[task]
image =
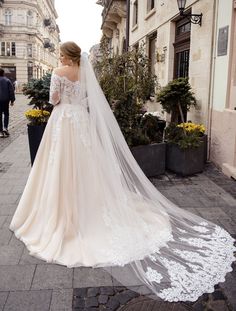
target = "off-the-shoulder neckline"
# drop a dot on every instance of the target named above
(77, 81)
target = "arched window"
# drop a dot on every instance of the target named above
(29, 18)
(8, 17)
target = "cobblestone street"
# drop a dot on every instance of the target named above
(29, 284)
(17, 122)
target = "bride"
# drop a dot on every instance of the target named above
(87, 202)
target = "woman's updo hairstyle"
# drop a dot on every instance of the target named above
(72, 51)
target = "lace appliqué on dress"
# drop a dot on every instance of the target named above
(199, 271)
(71, 109)
(55, 89)
(153, 275)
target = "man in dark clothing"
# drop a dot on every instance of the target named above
(7, 96)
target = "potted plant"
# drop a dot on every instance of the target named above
(186, 142)
(185, 148)
(38, 91)
(37, 122)
(127, 83)
(151, 153)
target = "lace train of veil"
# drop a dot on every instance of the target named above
(183, 255)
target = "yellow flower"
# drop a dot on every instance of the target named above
(192, 127)
(37, 116)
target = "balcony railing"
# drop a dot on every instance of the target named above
(47, 44)
(47, 22)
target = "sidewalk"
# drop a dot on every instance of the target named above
(29, 284)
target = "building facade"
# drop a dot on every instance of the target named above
(114, 23)
(205, 53)
(29, 38)
(95, 54)
(222, 106)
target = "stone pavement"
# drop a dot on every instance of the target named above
(29, 284)
(17, 122)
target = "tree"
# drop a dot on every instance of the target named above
(176, 98)
(127, 83)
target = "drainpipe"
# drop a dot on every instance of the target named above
(212, 73)
(127, 24)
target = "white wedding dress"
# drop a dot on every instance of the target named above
(87, 203)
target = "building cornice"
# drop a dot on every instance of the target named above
(35, 5)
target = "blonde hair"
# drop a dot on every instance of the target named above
(72, 51)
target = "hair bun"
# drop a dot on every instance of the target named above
(72, 50)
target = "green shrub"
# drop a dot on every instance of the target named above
(38, 92)
(176, 98)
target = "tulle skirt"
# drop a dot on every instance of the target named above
(63, 214)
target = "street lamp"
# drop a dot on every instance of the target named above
(194, 18)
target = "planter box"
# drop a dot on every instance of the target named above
(151, 158)
(205, 139)
(185, 161)
(35, 133)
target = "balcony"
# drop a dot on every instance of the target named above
(47, 22)
(46, 43)
(113, 12)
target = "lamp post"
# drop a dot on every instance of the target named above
(194, 18)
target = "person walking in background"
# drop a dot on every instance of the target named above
(7, 95)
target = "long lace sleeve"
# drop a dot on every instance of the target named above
(55, 90)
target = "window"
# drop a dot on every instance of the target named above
(30, 71)
(8, 15)
(124, 46)
(136, 47)
(183, 28)
(182, 48)
(3, 48)
(8, 48)
(182, 64)
(152, 51)
(13, 49)
(150, 5)
(29, 50)
(29, 18)
(135, 13)
(182, 52)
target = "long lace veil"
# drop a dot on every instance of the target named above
(184, 255)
